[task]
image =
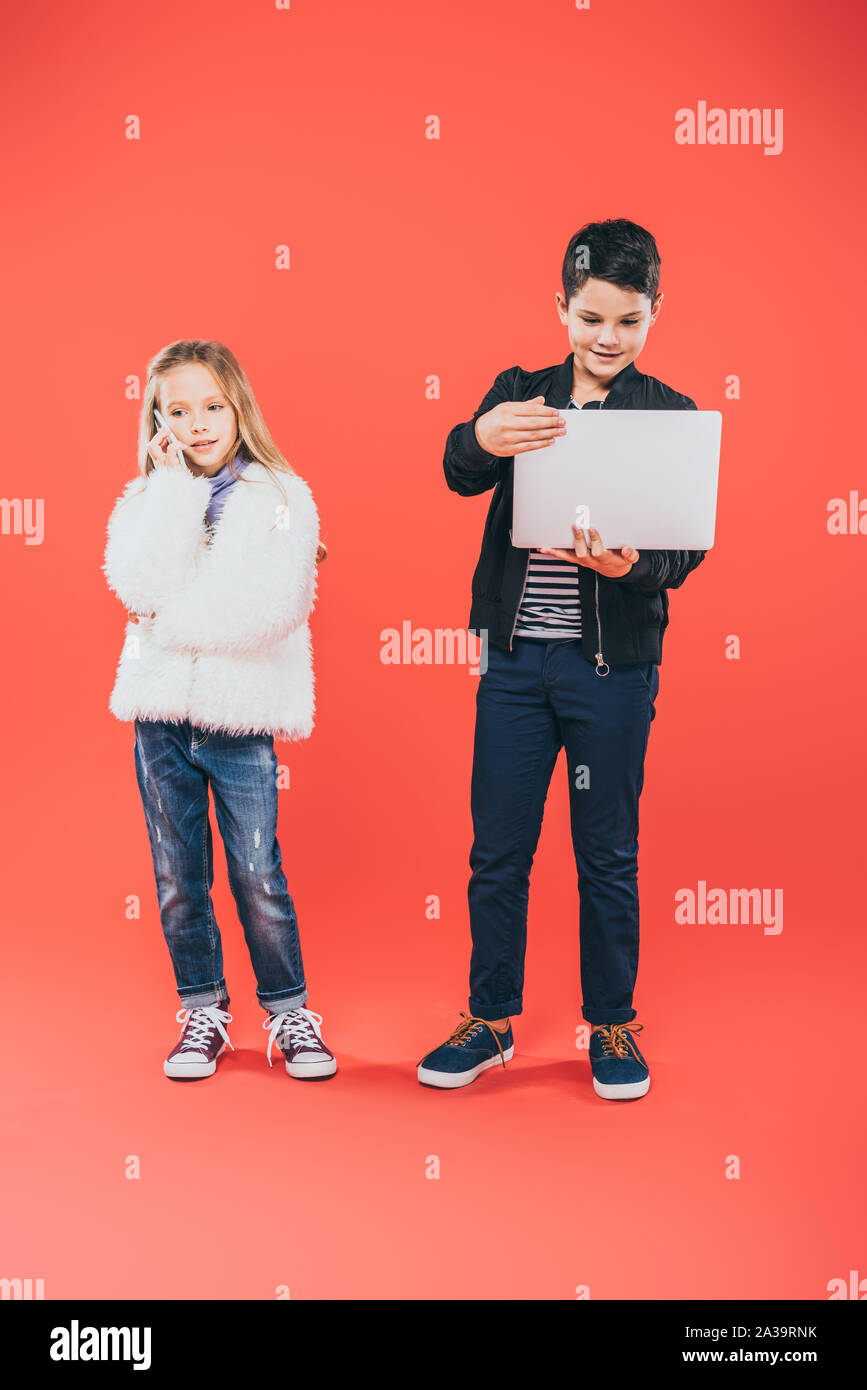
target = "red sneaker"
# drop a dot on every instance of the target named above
(203, 1039)
(297, 1034)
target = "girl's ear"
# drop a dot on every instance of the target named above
(321, 553)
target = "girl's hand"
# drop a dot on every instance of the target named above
(134, 615)
(164, 452)
(610, 563)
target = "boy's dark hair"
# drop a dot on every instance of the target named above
(616, 250)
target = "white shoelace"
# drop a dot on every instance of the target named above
(204, 1020)
(299, 1025)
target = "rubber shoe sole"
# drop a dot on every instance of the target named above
(631, 1091)
(312, 1071)
(191, 1071)
(449, 1081)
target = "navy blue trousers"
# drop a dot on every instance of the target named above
(530, 703)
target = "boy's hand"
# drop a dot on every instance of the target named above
(515, 427)
(610, 563)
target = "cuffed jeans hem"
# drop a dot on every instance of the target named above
(608, 1015)
(279, 1003)
(491, 1012)
(203, 996)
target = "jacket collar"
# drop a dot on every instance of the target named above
(622, 385)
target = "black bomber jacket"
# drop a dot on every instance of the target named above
(622, 620)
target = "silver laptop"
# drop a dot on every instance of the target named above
(645, 478)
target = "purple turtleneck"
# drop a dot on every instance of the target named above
(222, 483)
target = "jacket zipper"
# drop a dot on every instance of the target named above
(209, 534)
(520, 600)
(600, 659)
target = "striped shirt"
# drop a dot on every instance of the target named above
(550, 609)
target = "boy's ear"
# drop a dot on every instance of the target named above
(655, 306)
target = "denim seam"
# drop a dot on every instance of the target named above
(191, 991)
(212, 926)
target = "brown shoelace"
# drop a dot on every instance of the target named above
(466, 1030)
(614, 1040)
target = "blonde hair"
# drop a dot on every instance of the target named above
(253, 433)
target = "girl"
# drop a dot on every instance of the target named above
(214, 553)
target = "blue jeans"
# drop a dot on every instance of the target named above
(530, 702)
(175, 763)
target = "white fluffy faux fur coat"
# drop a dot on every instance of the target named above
(229, 648)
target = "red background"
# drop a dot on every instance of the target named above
(412, 257)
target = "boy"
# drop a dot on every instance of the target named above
(574, 644)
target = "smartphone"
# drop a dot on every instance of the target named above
(164, 425)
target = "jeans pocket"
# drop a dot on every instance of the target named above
(494, 658)
(645, 670)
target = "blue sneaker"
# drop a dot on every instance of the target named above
(619, 1070)
(469, 1050)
